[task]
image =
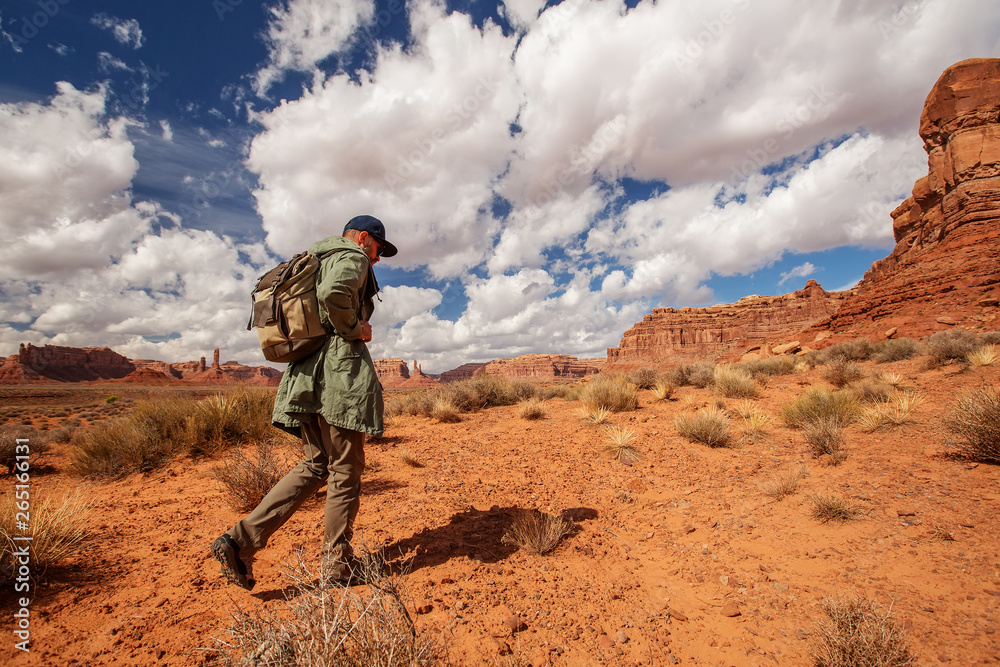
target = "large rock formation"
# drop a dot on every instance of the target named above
(391, 372)
(419, 380)
(63, 364)
(946, 263)
(677, 333)
(463, 372)
(544, 367)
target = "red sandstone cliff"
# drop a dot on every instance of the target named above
(946, 263)
(391, 372)
(544, 367)
(692, 332)
(463, 372)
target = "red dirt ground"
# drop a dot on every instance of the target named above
(686, 529)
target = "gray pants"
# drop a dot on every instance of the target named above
(333, 455)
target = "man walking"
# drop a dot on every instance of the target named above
(331, 398)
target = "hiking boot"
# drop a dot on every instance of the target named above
(227, 552)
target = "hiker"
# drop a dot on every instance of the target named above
(331, 399)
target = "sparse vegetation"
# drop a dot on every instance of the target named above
(825, 437)
(247, 477)
(9, 435)
(871, 390)
(858, 349)
(643, 378)
(323, 625)
(611, 391)
(780, 365)
(663, 390)
(531, 409)
(946, 347)
(732, 381)
(894, 380)
(888, 414)
(859, 632)
(986, 355)
(755, 425)
(536, 532)
(594, 414)
(709, 426)
(815, 404)
(975, 417)
(698, 374)
(445, 411)
(785, 482)
(833, 508)
(410, 459)
(841, 372)
(894, 349)
(58, 529)
(619, 444)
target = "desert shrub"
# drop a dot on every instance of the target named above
(871, 390)
(833, 508)
(975, 417)
(889, 414)
(111, 399)
(619, 444)
(859, 632)
(247, 477)
(9, 435)
(319, 624)
(841, 372)
(410, 459)
(708, 426)
(594, 414)
(663, 390)
(536, 532)
(755, 423)
(894, 380)
(62, 434)
(946, 347)
(409, 403)
(531, 409)
(771, 366)
(445, 411)
(894, 349)
(826, 438)
(153, 432)
(986, 355)
(643, 378)
(485, 391)
(611, 391)
(815, 404)
(697, 374)
(990, 338)
(58, 529)
(858, 349)
(734, 382)
(784, 482)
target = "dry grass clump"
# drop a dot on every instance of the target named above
(859, 633)
(57, 526)
(410, 459)
(37, 443)
(894, 380)
(487, 391)
(709, 426)
(946, 347)
(825, 437)
(536, 532)
(975, 416)
(697, 374)
(531, 409)
(643, 378)
(619, 444)
(153, 432)
(732, 381)
(841, 372)
(858, 349)
(611, 391)
(771, 366)
(833, 508)
(894, 349)
(986, 355)
(815, 404)
(871, 390)
(594, 414)
(889, 414)
(248, 477)
(445, 411)
(663, 390)
(321, 625)
(784, 482)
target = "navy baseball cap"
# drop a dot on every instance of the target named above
(374, 226)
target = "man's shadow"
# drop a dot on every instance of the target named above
(475, 534)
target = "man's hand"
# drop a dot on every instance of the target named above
(366, 332)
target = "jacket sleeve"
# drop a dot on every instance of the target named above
(339, 290)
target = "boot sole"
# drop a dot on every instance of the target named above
(224, 553)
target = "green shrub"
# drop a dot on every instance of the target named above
(816, 404)
(975, 416)
(895, 349)
(612, 392)
(111, 399)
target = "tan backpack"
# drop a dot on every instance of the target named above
(286, 311)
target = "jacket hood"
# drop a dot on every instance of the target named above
(335, 243)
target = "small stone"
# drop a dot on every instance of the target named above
(689, 528)
(447, 580)
(730, 609)
(605, 642)
(724, 579)
(944, 319)
(905, 512)
(890, 333)
(515, 623)
(786, 348)
(780, 586)
(674, 614)
(622, 637)
(424, 608)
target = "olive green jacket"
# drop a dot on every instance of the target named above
(338, 381)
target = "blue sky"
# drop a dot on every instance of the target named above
(549, 171)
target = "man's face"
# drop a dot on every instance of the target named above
(371, 247)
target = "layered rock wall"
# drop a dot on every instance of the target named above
(671, 333)
(544, 367)
(391, 372)
(65, 364)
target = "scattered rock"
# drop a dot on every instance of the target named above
(730, 609)
(905, 512)
(424, 608)
(786, 348)
(515, 624)
(622, 637)
(605, 642)
(890, 333)
(944, 319)
(676, 615)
